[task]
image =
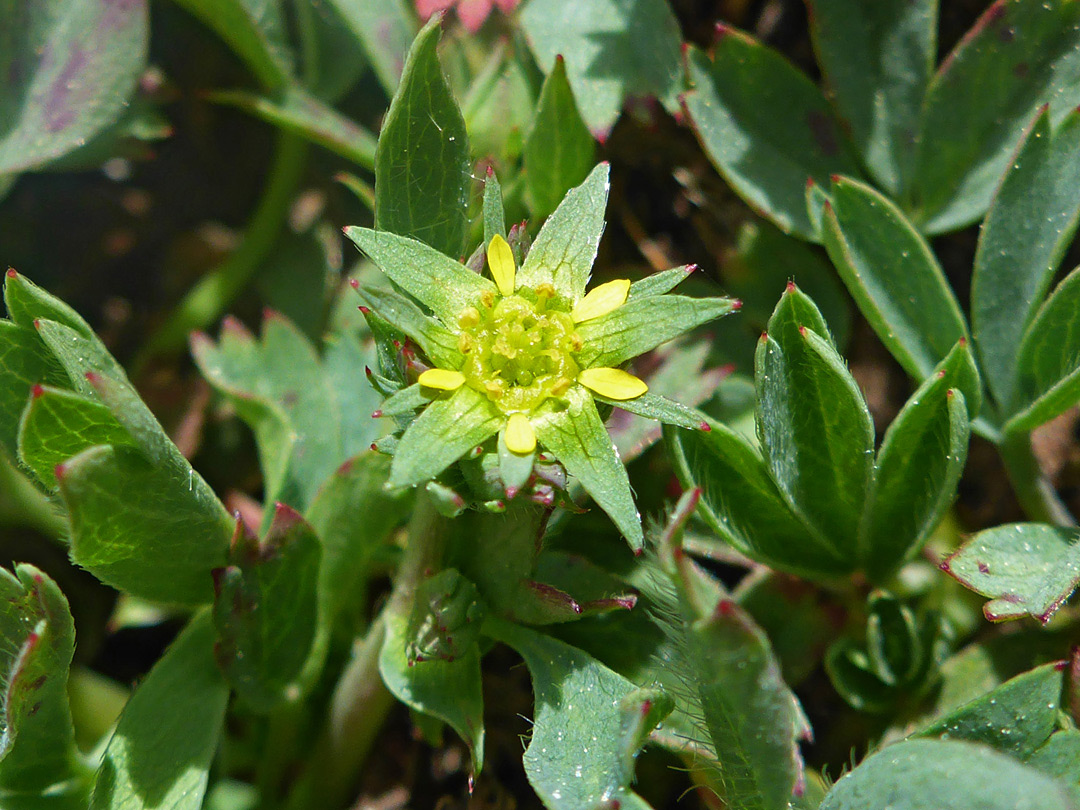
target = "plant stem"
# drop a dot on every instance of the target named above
(1035, 493)
(23, 504)
(360, 701)
(217, 289)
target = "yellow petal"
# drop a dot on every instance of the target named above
(519, 436)
(601, 300)
(443, 379)
(501, 261)
(613, 383)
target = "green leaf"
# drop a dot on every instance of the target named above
(494, 213)
(23, 364)
(579, 440)
(662, 409)
(294, 109)
(765, 126)
(37, 748)
(1017, 57)
(422, 161)
(916, 473)
(58, 424)
(160, 754)
(613, 49)
(80, 356)
(447, 429)
(343, 357)
(753, 718)
(877, 59)
(659, 283)
(815, 430)
(1016, 718)
(1026, 569)
(588, 723)
(443, 285)
(266, 610)
(1030, 224)
(559, 150)
(892, 274)
(643, 324)
(1048, 367)
(945, 775)
(69, 69)
(448, 690)
(27, 302)
(565, 249)
(1060, 758)
(255, 30)
(161, 546)
(384, 28)
(742, 504)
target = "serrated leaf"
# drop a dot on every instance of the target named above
(294, 109)
(24, 362)
(579, 440)
(877, 59)
(447, 429)
(266, 610)
(586, 724)
(27, 302)
(384, 28)
(343, 357)
(37, 748)
(448, 690)
(613, 49)
(765, 126)
(816, 434)
(559, 149)
(422, 160)
(160, 754)
(438, 282)
(69, 70)
(1017, 57)
(1030, 224)
(255, 30)
(1060, 757)
(643, 324)
(1026, 569)
(1016, 718)
(916, 473)
(58, 424)
(1047, 369)
(918, 774)
(565, 249)
(162, 546)
(893, 275)
(742, 504)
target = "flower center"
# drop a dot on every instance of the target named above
(518, 352)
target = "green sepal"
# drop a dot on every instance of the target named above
(170, 729)
(37, 748)
(816, 433)
(1027, 230)
(438, 282)
(565, 248)
(427, 198)
(448, 428)
(405, 402)
(437, 342)
(514, 468)
(494, 214)
(266, 610)
(578, 439)
(559, 150)
(1048, 372)
(643, 324)
(659, 283)
(1026, 569)
(58, 424)
(893, 275)
(162, 546)
(662, 409)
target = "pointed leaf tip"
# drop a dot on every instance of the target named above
(12, 272)
(37, 391)
(354, 283)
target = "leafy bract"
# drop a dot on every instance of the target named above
(160, 754)
(765, 126)
(1026, 569)
(1030, 224)
(422, 159)
(69, 68)
(613, 49)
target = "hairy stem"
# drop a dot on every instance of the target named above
(1035, 493)
(360, 701)
(23, 504)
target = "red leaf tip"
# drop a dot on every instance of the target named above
(725, 607)
(736, 304)
(962, 341)
(834, 178)
(810, 182)
(705, 427)
(490, 171)
(376, 413)
(511, 493)
(60, 470)
(365, 310)
(354, 283)
(12, 272)
(722, 29)
(790, 288)
(36, 391)
(802, 331)
(92, 377)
